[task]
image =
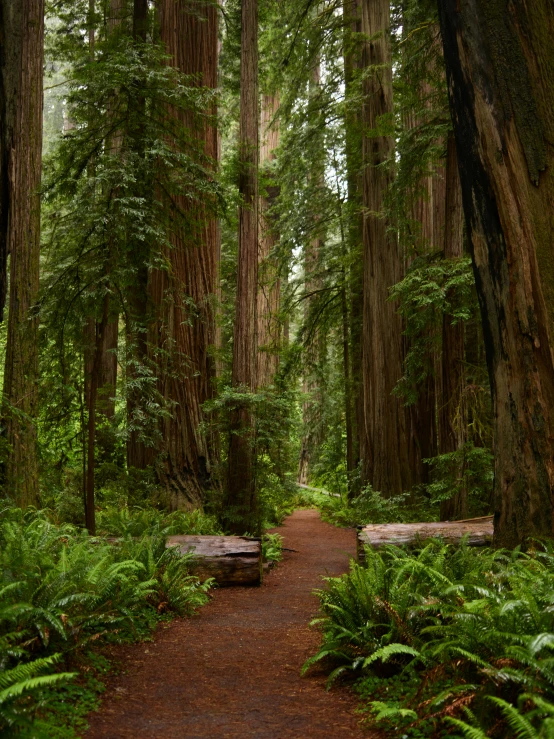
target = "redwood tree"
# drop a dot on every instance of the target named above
(241, 483)
(384, 438)
(452, 415)
(21, 56)
(500, 66)
(269, 292)
(182, 294)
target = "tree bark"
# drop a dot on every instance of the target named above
(354, 277)
(429, 212)
(452, 414)
(21, 55)
(182, 296)
(242, 501)
(230, 560)
(500, 64)
(479, 532)
(384, 437)
(315, 349)
(269, 291)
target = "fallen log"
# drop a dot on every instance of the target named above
(230, 560)
(478, 530)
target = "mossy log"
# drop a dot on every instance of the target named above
(230, 560)
(478, 530)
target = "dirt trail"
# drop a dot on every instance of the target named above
(234, 670)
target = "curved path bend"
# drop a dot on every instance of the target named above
(234, 669)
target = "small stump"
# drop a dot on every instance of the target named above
(230, 560)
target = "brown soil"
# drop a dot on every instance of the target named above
(234, 669)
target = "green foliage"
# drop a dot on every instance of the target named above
(447, 633)
(275, 442)
(367, 507)
(21, 690)
(433, 289)
(62, 590)
(137, 522)
(272, 547)
(111, 184)
(469, 468)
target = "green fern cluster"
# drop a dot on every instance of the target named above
(448, 639)
(117, 521)
(61, 590)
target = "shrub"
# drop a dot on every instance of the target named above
(447, 635)
(62, 590)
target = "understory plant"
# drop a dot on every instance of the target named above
(447, 641)
(62, 591)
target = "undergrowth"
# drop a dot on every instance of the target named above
(272, 547)
(62, 592)
(369, 506)
(137, 521)
(447, 641)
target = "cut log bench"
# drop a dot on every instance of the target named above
(478, 530)
(230, 560)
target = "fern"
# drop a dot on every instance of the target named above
(461, 625)
(61, 590)
(25, 681)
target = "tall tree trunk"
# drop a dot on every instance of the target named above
(182, 331)
(139, 455)
(21, 55)
(269, 291)
(354, 279)
(100, 337)
(428, 213)
(385, 439)
(242, 501)
(500, 63)
(452, 415)
(107, 370)
(315, 349)
(312, 382)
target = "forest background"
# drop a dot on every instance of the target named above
(140, 293)
(240, 249)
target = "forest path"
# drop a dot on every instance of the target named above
(234, 669)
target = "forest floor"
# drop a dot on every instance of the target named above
(233, 670)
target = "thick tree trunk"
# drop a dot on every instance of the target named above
(182, 333)
(241, 483)
(500, 63)
(21, 55)
(452, 414)
(269, 291)
(428, 211)
(385, 439)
